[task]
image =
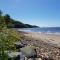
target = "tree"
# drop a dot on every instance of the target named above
(0, 12)
(7, 19)
(1, 20)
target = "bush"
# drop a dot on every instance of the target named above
(7, 39)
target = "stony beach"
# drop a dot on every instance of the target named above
(47, 45)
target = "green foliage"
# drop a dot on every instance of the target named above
(11, 23)
(9, 36)
(7, 39)
(7, 19)
(0, 12)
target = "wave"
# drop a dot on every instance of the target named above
(50, 30)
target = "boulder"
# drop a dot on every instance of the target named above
(13, 55)
(29, 51)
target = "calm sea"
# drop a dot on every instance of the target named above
(48, 30)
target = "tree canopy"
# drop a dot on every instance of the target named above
(11, 23)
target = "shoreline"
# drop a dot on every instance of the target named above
(46, 45)
(48, 38)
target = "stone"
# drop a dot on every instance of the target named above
(29, 51)
(19, 45)
(38, 59)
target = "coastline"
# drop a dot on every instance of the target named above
(47, 45)
(48, 38)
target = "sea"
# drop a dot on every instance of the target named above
(47, 30)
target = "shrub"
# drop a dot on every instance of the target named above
(7, 39)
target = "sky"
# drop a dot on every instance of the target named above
(43, 13)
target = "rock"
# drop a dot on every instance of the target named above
(39, 59)
(12, 55)
(19, 45)
(29, 51)
(45, 58)
(22, 56)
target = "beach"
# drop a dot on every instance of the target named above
(48, 38)
(47, 45)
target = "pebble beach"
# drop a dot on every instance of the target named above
(47, 45)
